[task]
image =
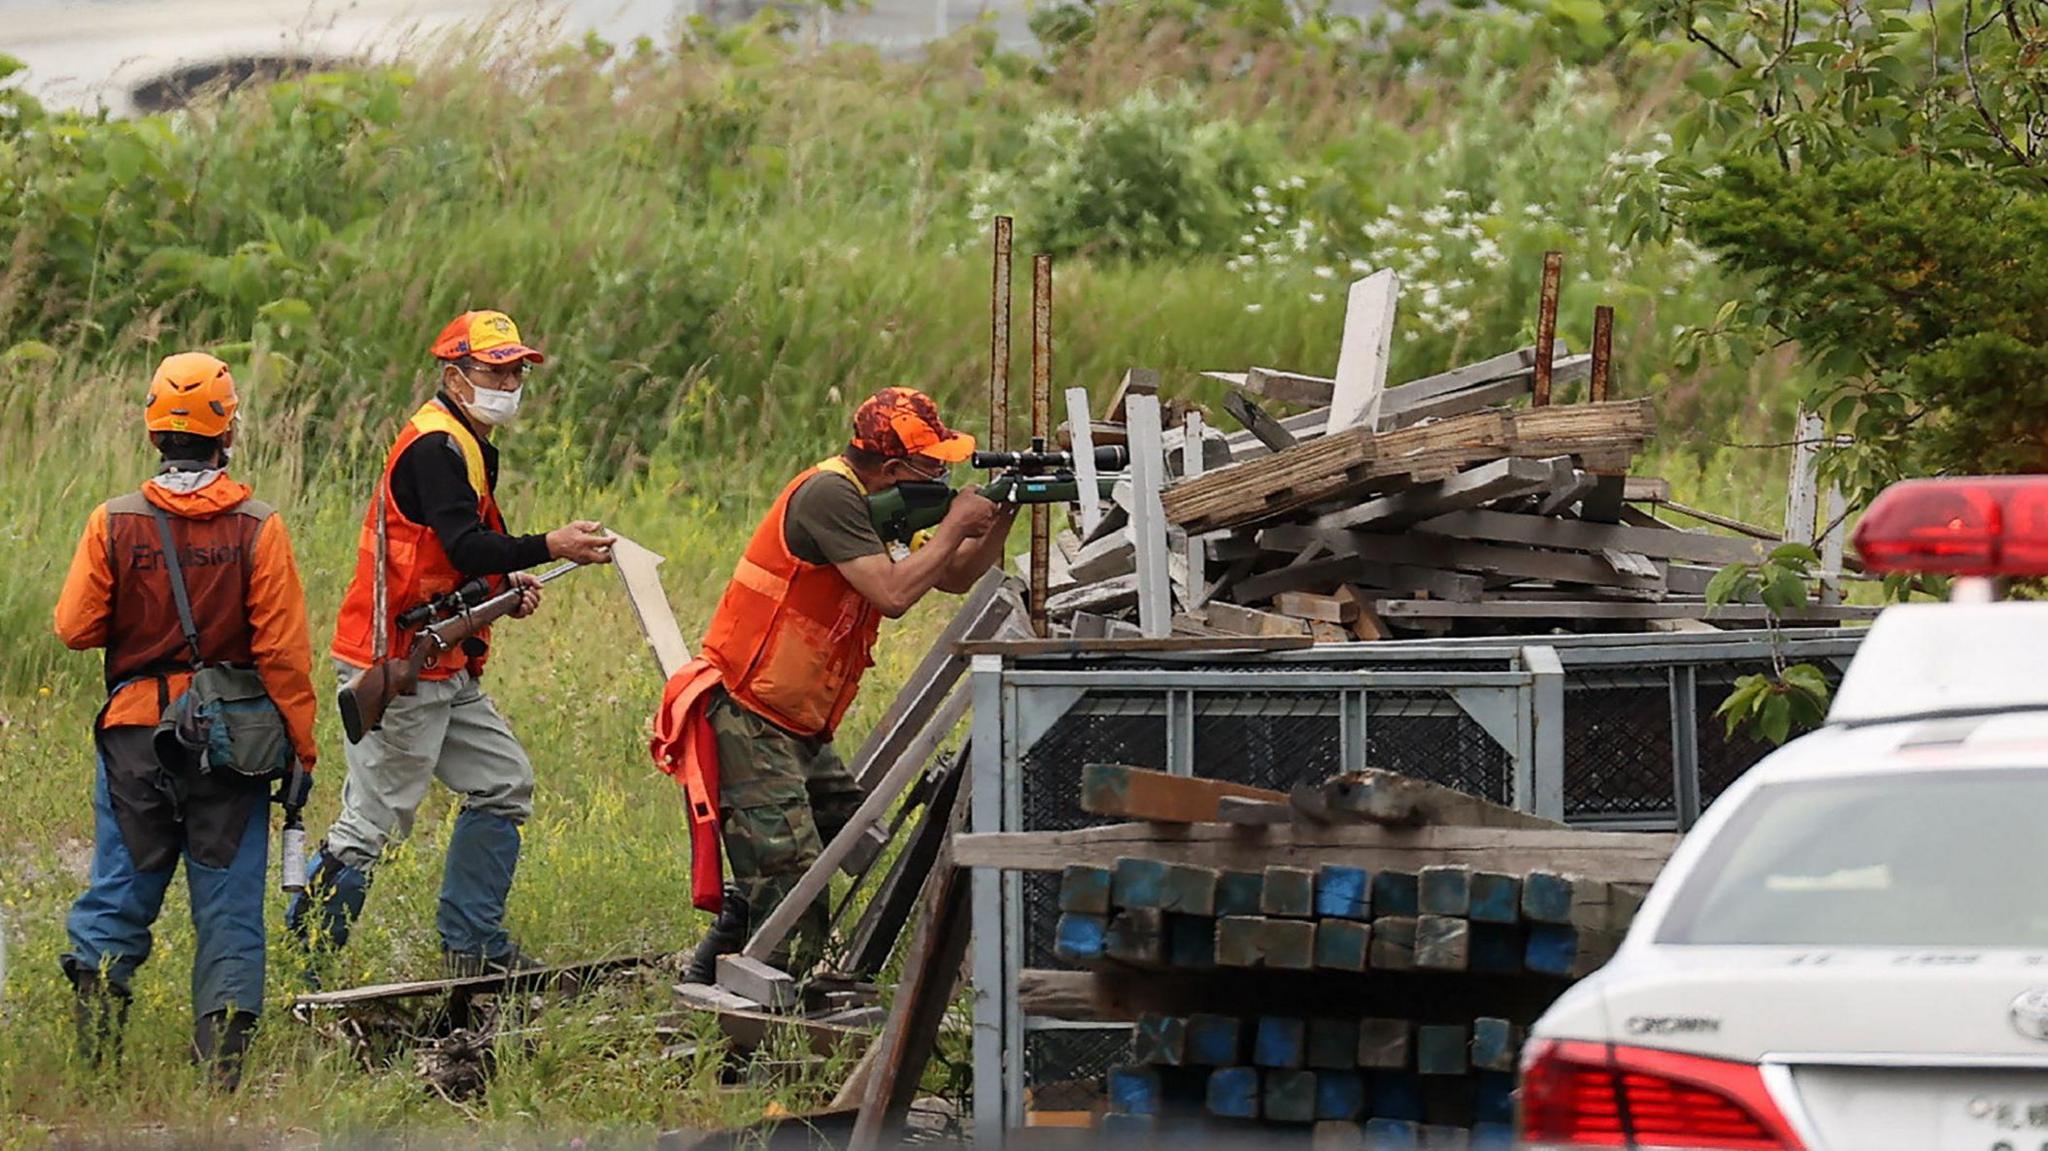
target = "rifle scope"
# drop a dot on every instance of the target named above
(441, 606)
(1109, 458)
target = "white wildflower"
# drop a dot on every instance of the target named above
(1259, 190)
(1361, 267)
(1316, 297)
(1325, 272)
(1255, 309)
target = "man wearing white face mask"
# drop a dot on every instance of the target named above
(437, 513)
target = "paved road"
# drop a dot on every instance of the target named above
(82, 52)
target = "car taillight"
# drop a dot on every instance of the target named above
(1577, 1094)
(1969, 526)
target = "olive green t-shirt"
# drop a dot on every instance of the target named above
(828, 522)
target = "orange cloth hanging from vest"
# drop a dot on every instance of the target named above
(686, 748)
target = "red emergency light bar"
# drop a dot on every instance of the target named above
(1965, 526)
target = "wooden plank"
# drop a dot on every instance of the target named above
(1196, 556)
(1240, 941)
(753, 979)
(1393, 943)
(1136, 881)
(1252, 812)
(1721, 521)
(1395, 800)
(1135, 382)
(888, 910)
(818, 878)
(1646, 489)
(1802, 487)
(1080, 938)
(569, 975)
(1458, 403)
(1519, 362)
(1499, 479)
(1265, 428)
(1291, 388)
(1421, 550)
(1081, 436)
(657, 618)
(1442, 942)
(1384, 1044)
(1280, 1041)
(1112, 555)
(1085, 889)
(1290, 1097)
(1414, 609)
(1362, 356)
(1240, 892)
(1137, 936)
(1137, 793)
(1288, 891)
(1623, 857)
(1134, 645)
(1287, 944)
(1445, 889)
(1191, 942)
(1160, 1040)
(747, 1028)
(1396, 892)
(1353, 568)
(1232, 1093)
(924, 991)
(1105, 596)
(1272, 484)
(1343, 945)
(1148, 517)
(1442, 1049)
(1213, 1040)
(1320, 608)
(1496, 1043)
(981, 614)
(1230, 617)
(1343, 892)
(1332, 1043)
(1540, 531)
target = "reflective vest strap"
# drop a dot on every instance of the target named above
(760, 580)
(431, 418)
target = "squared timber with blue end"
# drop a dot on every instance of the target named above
(1239, 892)
(1552, 949)
(1496, 898)
(1137, 936)
(1136, 1091)
(1340, 1095)
(1495, 1044)
(1188, 890)
(1343, 945)
(1160, 1040)
(1445, 889)
(1214, 1040)
(1290, 1097)
(1495, 1097)
(1190, 942)
(1496, 949)
(1393, 943)
(1084, 889)
(1441, 1049)
(1288, 944)
(1289, 892)
(1397, 1095)
(1233, 1093)
(1080, 938)
(1240, 941)
(1547, 897)
(1493, 1137)
(1396, 893)
(1140, 1126)
(1343, 892)
(1387, 1134)
(1280, 1042)
(1332, 1043)
(1138, 883)
(1384, 1044)
(1442, 943)
(1442, 1138)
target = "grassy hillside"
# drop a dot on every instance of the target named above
(722, 246)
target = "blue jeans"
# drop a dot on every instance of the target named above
(221, 828)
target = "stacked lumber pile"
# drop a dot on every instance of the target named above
(1362, 955)
(1448, 510)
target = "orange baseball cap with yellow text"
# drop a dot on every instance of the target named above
(488, 336)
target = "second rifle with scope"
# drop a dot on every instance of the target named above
(1036, 476)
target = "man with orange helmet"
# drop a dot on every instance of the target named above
(433, 526)
(747, 728)
(189, 570)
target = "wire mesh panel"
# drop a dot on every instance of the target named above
(1723, 758)
(1104, 727)
(1427, 735)
(1267, 739)
(1617, 742)
(1065, 1070)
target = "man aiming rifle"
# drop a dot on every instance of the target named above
(747, 728)
(434, 567)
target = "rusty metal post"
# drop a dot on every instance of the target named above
(1603, 351)
(1041, 419)
(1546, 325)
(999, 342)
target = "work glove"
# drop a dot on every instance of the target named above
(295, 788)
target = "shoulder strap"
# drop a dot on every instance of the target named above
(178, 594)
(433, 418)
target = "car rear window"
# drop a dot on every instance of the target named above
(1933, 859)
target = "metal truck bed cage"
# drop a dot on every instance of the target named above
(1612, 731)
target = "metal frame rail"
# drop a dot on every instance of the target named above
(1514, 689)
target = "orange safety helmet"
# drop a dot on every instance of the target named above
(191, 392)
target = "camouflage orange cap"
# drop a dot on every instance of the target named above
(900, 422)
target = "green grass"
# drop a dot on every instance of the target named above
(722, 249)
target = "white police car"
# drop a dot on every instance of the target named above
(1850, 951)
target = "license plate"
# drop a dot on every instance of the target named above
(1995, 1121)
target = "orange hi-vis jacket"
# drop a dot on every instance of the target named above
(416, 567)
(247, 602)
(791, 639)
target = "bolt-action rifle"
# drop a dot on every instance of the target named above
(1032, 477)
(443, 622)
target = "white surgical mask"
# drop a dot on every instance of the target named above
(493, 407)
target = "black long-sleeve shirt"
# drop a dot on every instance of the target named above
(430, 484)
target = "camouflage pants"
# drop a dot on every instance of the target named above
(780, 799)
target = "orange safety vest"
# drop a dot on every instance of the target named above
(791, 639)
(416, 567)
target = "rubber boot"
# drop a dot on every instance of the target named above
(728, 934)
(321, 916)
(476, 880)
(99, 1010)
(219, 1040)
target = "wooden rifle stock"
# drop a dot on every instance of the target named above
(365, 697)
